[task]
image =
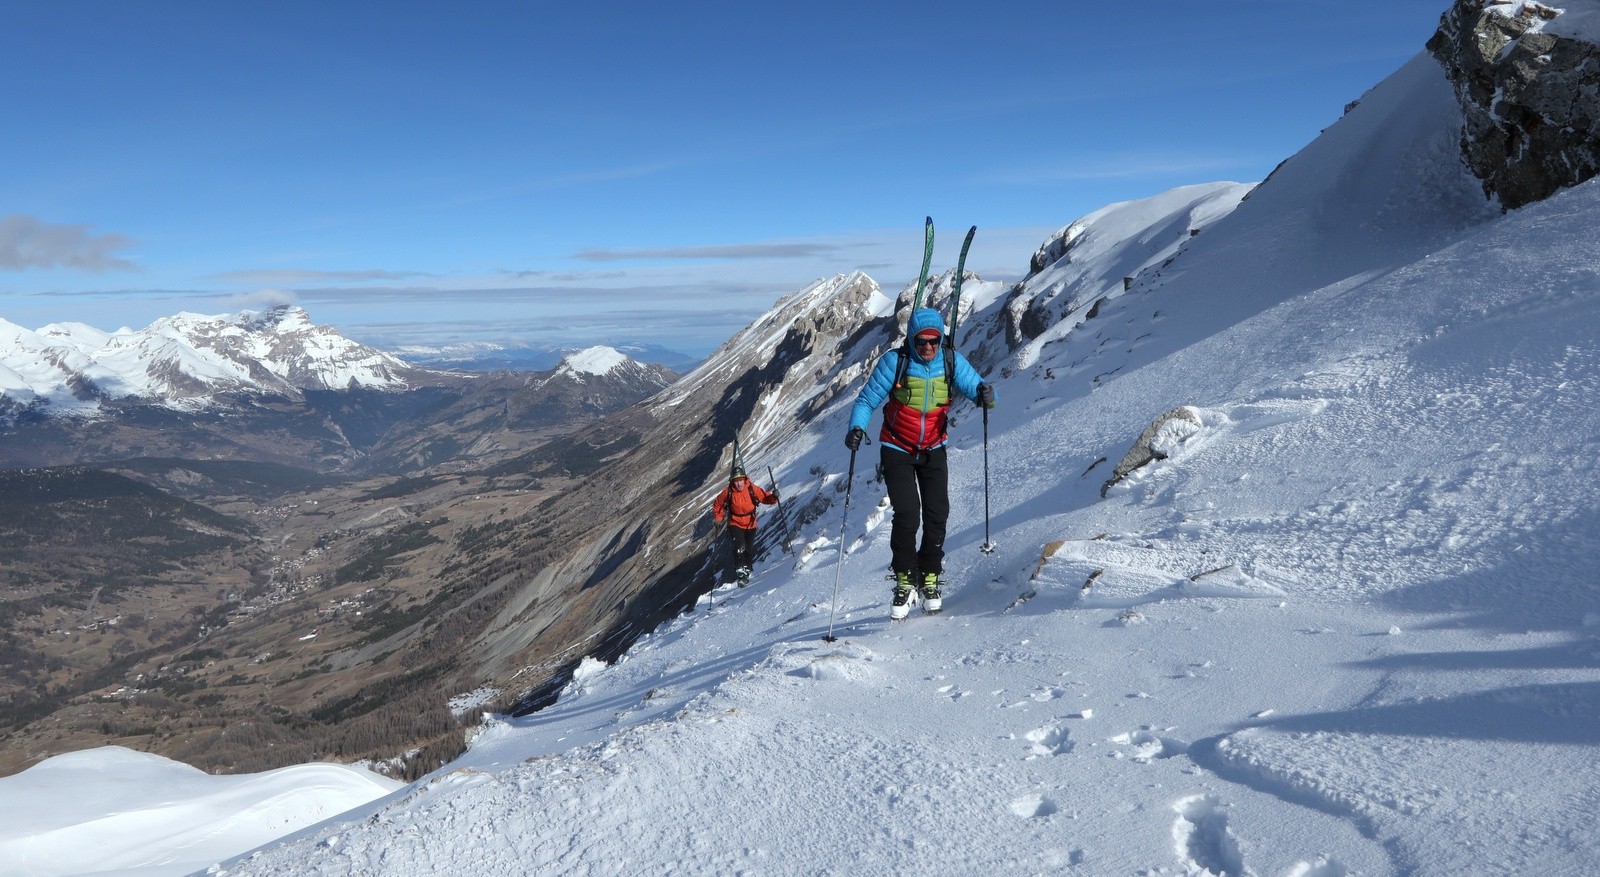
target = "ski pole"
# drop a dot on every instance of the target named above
(783, 513)
(715, 546)
(849, 483)
(988, 546)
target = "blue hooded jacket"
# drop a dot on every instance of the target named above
(915, 416)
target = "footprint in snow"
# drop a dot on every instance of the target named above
(1146, 746)
(1049, 740)
(1321, 866)
(1034, 806)
(1203, 841)
(846, 663)
(1126, 618)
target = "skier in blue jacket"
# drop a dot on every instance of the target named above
(912, 452)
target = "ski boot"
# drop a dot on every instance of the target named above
(932, 602)
(901, 605)
(742, 576)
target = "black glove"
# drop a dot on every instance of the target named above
(985, 396)
(852, 439)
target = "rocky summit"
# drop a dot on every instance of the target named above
(1527, 77)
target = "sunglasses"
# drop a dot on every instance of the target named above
(927, 342)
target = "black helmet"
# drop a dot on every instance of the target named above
(738, 472)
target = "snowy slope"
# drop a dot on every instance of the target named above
(1347, 626)
(35, 368)
(113, 810)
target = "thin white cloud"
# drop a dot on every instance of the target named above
(27, 242)
(147, 294)
(695, 333)
(736, 252)
(526, 274)
(556, 298)
(261, 299)
(302, 276)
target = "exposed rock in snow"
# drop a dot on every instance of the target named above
(1156, 442)
(1528, 80)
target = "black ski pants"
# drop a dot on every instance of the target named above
(919, 490)
(744, 542)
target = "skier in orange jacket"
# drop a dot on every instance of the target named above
(741, 498)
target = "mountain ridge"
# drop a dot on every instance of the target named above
(186, 361)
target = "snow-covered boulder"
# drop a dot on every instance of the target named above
(1156, 442)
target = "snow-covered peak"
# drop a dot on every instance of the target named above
(80, 335)
(599, 360)
(1097, 258)
(187, 358)
(844, 300)
(40, 370)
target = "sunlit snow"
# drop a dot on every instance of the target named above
(599, 360)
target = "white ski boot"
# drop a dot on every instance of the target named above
(900, 607)
(932, 600)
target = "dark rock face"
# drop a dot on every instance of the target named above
(1531, 97)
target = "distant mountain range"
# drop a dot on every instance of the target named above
(275, 387)
(492, 355)
(191, 362)
(186, 361)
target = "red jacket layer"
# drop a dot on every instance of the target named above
(743, 494)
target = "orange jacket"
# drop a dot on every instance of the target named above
(744, 494)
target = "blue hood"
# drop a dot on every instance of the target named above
(924, 318)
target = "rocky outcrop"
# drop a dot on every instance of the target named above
(1157, 442)
(1095, 258)
(1529, 85)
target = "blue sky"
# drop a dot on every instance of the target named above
(604, 172)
